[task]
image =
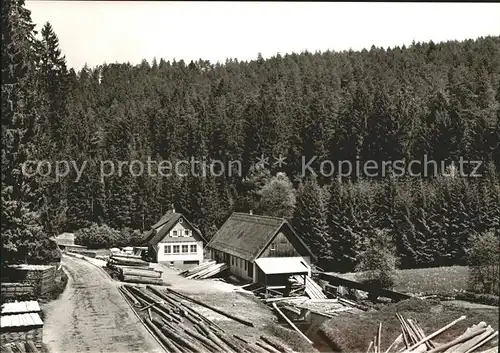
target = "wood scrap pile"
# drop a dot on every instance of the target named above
(131, 269)
(205, 270)
(181, 329)
(413, 339)
(302, 305)
(19, 347)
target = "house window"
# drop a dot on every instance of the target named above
(174, 233)
(176, 249)
(245, 264)
(237, 262)
(232, 260)
(167, 250)
(184, 249)
(193, 249)
(186, 232)
(273, 246)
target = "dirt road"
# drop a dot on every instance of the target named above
(92, 316)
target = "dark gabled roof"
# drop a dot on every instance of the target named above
(246, 236)
(166, 223)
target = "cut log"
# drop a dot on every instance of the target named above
(420, 333)
(170, 346)
(129, 296)
(141, 279)
(353, 304)
(276, 344)
(241, 339)
(257, 349)
(31, 347)
(445, 346)
(464, 347)
(267, 347)
(288, 299)
(210, 344)
(214, 272)
(291, 323)
(175, 336)
(491, 350)
(127, 256)
(484, 341)
(207, 271)
(20, 347)
(395, 343)
(224, 347)
(243, 321)
(176, 304)
(434, 334)
(369, 347)
(232, 343)
(128, 261)
(197, 268)
(379, 337)
(140, 272)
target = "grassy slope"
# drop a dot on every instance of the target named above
(423, 281)
(354, 334)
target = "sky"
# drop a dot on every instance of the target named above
(98, 32)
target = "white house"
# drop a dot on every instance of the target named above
(175, 241)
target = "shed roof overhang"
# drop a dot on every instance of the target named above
(282, 265)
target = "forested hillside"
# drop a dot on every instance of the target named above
(434, 101)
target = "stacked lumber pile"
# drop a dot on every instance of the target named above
(413, 339)
(19, 347)
(129, 268)
(179, 328)
(205, 270)
(312, 289)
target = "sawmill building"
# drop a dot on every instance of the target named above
(260, 249)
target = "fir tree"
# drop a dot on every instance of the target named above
(310, 219)
(277, 197)
(21, 198)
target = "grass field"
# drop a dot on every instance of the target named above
(354, 333)
(427, 281)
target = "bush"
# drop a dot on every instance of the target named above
(129, 237)
(486, 299)
(97, 237)
(377, 264)
(44, 251)
(484, 263)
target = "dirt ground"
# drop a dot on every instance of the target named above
(94, 287)
(172, 278)
(92, 316)
(224, 296)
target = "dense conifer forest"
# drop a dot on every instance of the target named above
(426, 101)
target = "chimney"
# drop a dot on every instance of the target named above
(250, 212)
(173, 208)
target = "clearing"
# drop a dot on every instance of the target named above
(427, 281)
